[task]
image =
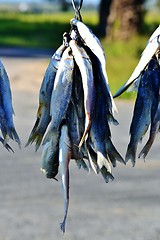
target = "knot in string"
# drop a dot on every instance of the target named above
(77, 7)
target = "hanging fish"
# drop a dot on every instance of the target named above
(6, 108)
(154, 72)
(151, 48)
(85, 66)
(141, 116)
(64, 159)
(93, 43)
(43, 113)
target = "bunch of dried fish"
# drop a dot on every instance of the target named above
(75, 110)
(145, 79)
(6, 111)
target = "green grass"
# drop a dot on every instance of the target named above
(36, 30)
(46, 30)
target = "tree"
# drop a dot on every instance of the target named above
(120, 18)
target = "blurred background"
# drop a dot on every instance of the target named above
(31, 206)
(123, 26)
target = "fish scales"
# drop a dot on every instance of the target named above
(85, 66)
(92, 42)
(43, 113)
(154, 74)
(6, 104)
(75, 136)
(62, 90)
(141, 116)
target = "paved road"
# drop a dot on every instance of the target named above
(31, 206)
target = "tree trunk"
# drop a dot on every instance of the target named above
(125, 18)
(104, 10)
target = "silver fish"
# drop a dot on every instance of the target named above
(151, 48)
(154, 74)
(64, 159)
(62, 89)
(85, 66)
(43, 113)
(74, 134)
(94, 44)
(97, 134)
(6, 100)
(141, 116)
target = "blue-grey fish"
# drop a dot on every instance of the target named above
(85, 66)
(64, 159)
(6, 101)
(97, 134)
(151, 48)
(60, 99)
(94, 44)
(43, 113)
(154, 73)
(49, 159)
(141, 116)
(72, 122)
(100, 84)
(62, 90)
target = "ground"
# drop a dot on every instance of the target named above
(31, 206)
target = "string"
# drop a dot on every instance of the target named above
(77, 9)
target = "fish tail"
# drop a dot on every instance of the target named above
(15, 137)
(113, 154)
(37, 138)
(6, 145)
(131, 154)
(103, 161)
(32, 136)
(63, 224)
(146, 148)
(38, 141)
(106, 175)
(81, 163)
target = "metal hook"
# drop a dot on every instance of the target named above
(77, 9)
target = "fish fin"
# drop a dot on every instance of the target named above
(111, 119)
(131, 154)
(47, 138)
(135, 85)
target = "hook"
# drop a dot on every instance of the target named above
(77, 9)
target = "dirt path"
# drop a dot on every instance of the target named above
(31, 206)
